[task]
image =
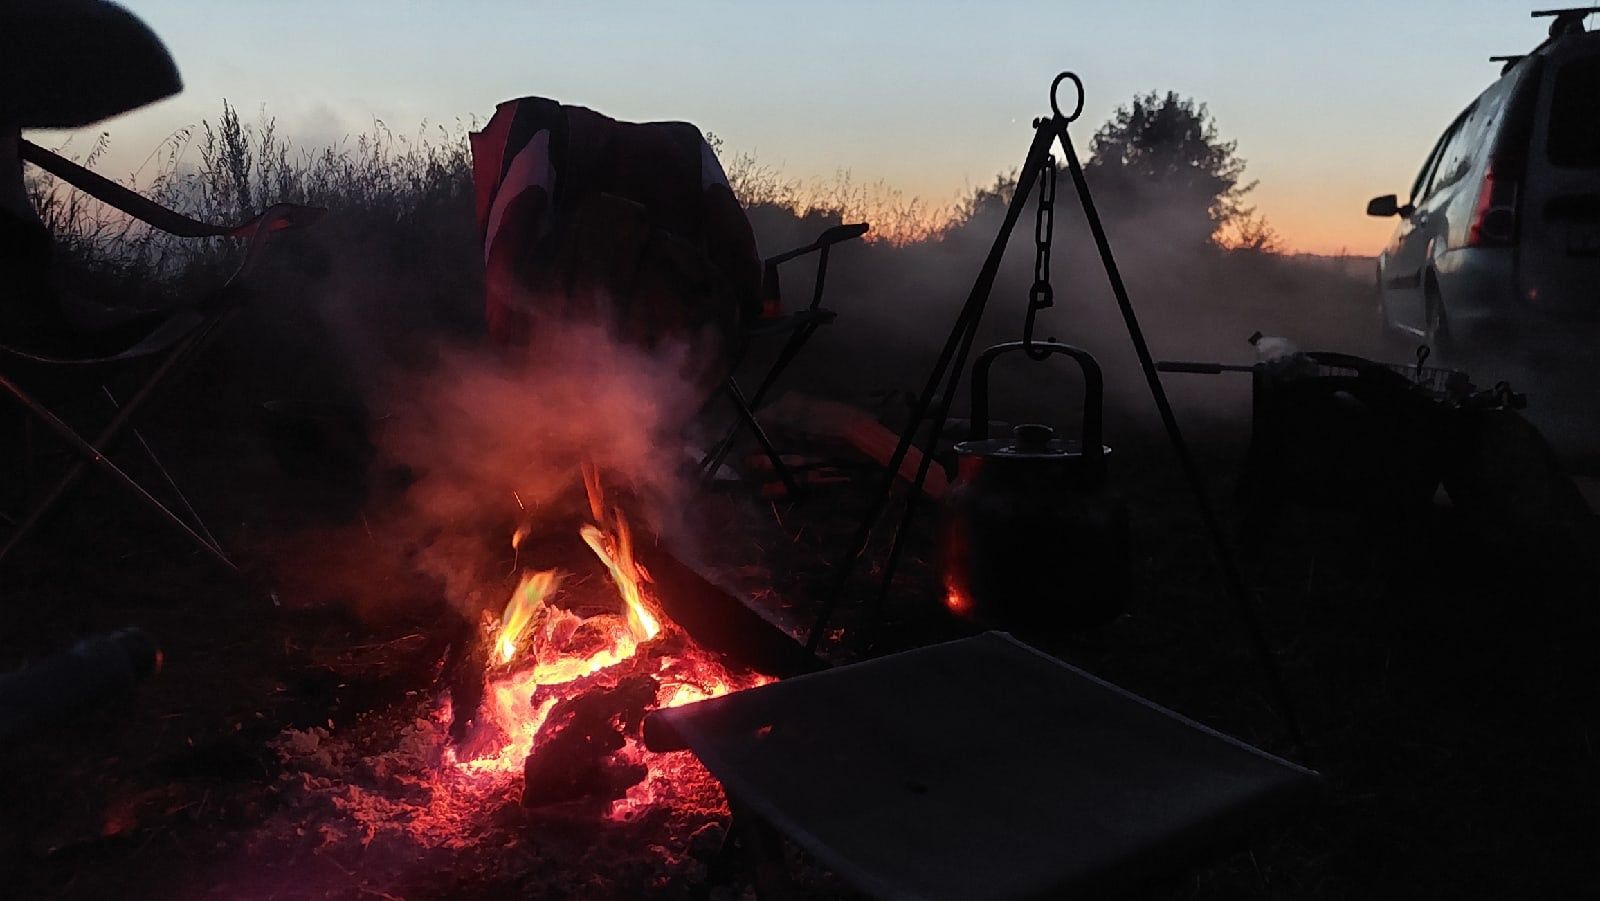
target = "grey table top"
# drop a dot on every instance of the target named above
(982, 768)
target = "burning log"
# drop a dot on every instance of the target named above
(464, 666)
(578, 759)
(718, 621)
(559, 687)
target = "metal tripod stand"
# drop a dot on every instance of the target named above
(932, 407)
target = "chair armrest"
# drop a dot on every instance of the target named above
(839, 233)
(828, 238)
(771, 295)
(276, 218)
(282, 216)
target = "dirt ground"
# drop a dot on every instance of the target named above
(1447, 687)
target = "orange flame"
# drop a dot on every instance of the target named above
(614, 547)
(597, 496)
(616, 552)
(524, 604)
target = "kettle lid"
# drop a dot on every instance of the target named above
(1031, 441)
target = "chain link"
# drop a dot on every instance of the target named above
(1041, 295)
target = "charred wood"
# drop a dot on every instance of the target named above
(718, 621)
(465, 664)
(576, 755)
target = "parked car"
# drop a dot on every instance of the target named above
(1499, 238)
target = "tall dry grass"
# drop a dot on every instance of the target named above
(229, 169)
(397, 263)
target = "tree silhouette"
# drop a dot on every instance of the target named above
(1160, 156)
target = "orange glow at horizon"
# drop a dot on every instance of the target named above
(1318, 213)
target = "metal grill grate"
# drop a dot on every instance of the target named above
(1451, 386)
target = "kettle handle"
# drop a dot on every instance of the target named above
(1093, 391)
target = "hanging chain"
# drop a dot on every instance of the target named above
(1041, 295)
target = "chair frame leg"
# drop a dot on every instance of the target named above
(748, 416)
(93, 454)
(762, 847)
(193, 517)
(791, 348)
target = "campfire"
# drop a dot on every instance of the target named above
(564, 694)
(534, 738)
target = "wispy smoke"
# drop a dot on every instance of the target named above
(491, 441)
(896, 305)
(498, 439)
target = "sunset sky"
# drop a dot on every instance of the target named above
(1330, 103)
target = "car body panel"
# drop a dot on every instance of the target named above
(1560, 253)
(1487, 292)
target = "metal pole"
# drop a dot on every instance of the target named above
(1233, 581)
(172, 484)
(95, 458)
(956, 345)
(754, 425)
(102, 441)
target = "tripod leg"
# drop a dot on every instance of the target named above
(1232, 579)
(956, 347)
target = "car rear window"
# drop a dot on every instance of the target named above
(1574, 110)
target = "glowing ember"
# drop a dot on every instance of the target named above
(958, 601)
(956, 598)
(564, 693)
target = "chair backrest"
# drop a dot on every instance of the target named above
(577, 211)
(72, 63)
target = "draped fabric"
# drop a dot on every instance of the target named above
(582, 215)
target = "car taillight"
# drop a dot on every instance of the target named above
(1494, 217)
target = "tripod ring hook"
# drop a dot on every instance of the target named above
(1055, 106)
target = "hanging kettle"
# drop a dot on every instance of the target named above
(1031, 537)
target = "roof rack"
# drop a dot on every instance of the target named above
(1510, 59)
(1568, 20)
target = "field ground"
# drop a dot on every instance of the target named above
(1449, 695)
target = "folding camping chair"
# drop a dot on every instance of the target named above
(798, 326)
(545, 172)
(166, 349)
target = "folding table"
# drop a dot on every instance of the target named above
(980, 768)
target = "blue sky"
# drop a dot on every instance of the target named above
(1330, 103)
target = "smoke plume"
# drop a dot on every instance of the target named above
(496, 441)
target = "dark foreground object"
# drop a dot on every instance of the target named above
(981, 768)
(92, 670)
(716, 618)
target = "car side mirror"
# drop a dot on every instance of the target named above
(1385, 206)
